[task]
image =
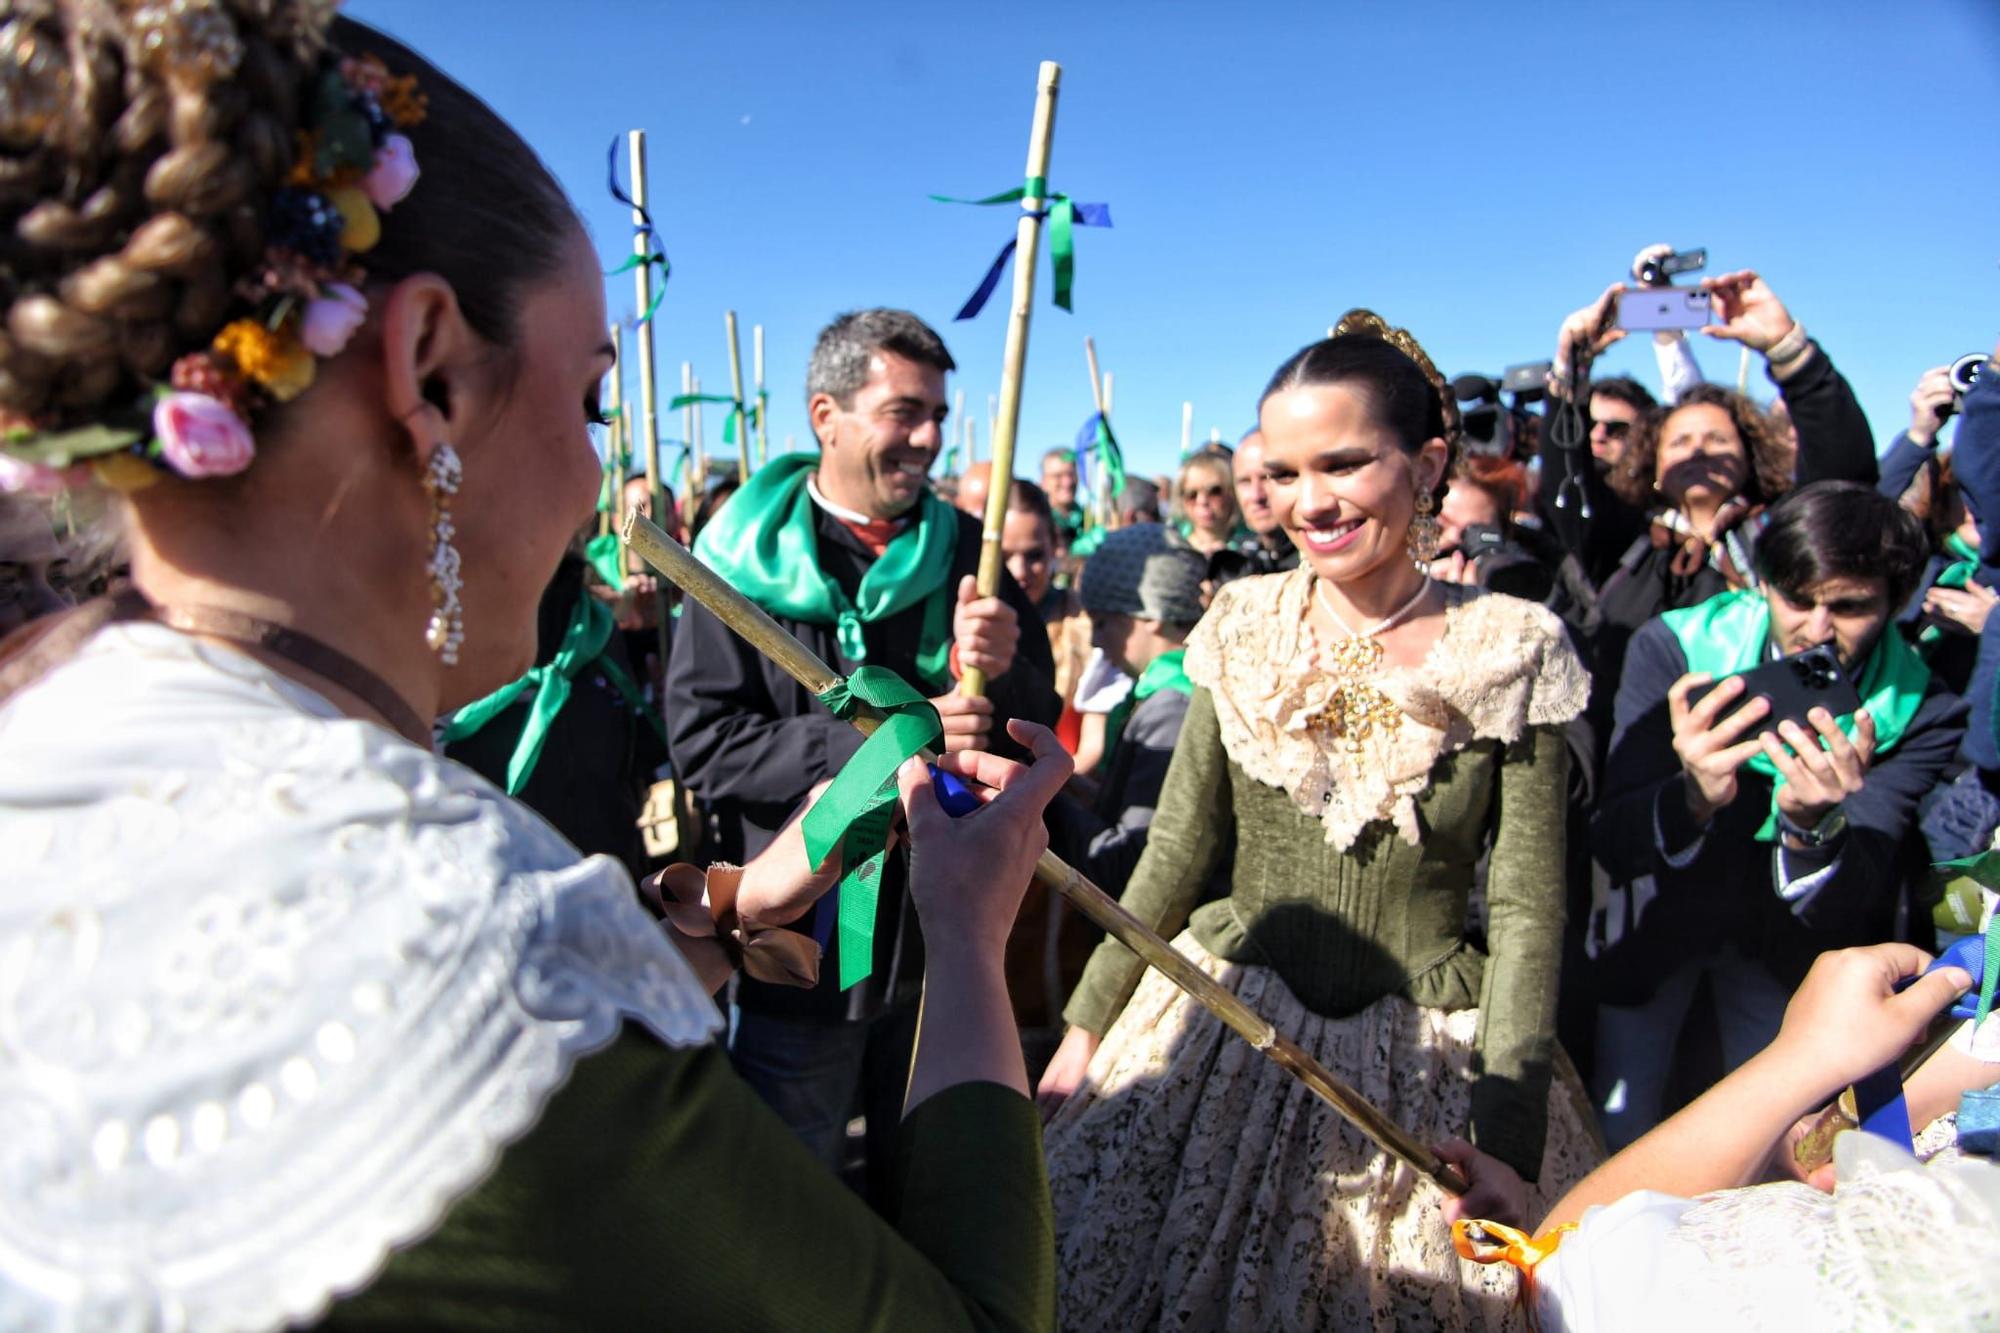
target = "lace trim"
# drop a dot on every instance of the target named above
(1500, 666)
(276, 989)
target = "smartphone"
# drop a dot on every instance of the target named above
(1795, 686)
(1658, 308)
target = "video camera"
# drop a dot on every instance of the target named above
(1497, 426)
(1965, 373)
(1663, 270)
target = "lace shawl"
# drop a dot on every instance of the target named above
(276, 989)
(1500, 666)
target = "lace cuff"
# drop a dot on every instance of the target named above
(700, 906)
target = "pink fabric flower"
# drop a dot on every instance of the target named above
(331, 320)
(18, 477)
(200, 437)
(394, 175)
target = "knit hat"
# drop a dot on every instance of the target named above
(1139, 571)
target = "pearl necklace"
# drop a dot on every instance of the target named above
(1356, 709)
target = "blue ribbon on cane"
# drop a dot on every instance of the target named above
(652, 250)
(1064, 215)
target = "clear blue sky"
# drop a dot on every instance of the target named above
(1471, 170)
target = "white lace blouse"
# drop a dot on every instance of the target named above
(276, 988)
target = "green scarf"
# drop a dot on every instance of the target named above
(1956, 574)
(1164, 672)
(1729, 633)
(583, 642)
(764, 544)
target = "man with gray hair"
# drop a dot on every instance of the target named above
(851, 551)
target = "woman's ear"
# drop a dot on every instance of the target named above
(430, 363)
(1432, 460)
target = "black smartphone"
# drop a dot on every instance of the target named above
(1795, 686)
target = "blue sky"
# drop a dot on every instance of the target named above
(1471, 170)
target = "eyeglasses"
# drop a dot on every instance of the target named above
(1210, 493)
(1613, 430)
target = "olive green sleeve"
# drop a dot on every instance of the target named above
(657, 1191)
(1189, 835)
(1517, 1000)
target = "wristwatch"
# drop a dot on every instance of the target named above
(1820, 834)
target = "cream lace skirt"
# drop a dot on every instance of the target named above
(1197, 1186)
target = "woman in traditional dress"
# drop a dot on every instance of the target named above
(1364, 736)
(298, 1019)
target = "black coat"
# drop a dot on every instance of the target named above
(750, 742)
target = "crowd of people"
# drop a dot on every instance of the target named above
(409, 918)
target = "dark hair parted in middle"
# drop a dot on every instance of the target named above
(1841, 530)
(840, 358)
(1404, 395)
(1769, 456)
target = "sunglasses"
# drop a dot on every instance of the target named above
(1613, 430)
(1212, 493)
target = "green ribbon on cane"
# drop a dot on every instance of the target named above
(1064, 215)
(854, 813)
(728, 422)
(583, 642)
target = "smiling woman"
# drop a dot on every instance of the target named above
(1362, 737)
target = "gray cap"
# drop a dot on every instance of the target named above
(1139, 571)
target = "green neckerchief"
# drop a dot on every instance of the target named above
(763, 542)
(583, 642)
(606, 555)
(1956, 574)
(1729, 633)
(1164, 672)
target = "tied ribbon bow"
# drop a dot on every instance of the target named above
(1064, 216)
(1497, 1243)
(1096, 439)
(650, 250)
(854, 813)
(582, 643)
(750, 414)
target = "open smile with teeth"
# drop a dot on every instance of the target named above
(1332, 536)
(915, 467)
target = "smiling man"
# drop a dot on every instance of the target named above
(1740, 853)
(851, 552)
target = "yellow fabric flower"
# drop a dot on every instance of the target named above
(364, 226)
(276, 360)
(124, 473)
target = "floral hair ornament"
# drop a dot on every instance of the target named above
(304, 298)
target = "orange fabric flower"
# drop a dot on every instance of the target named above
(277, 360)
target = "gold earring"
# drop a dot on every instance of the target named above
(1422, 536)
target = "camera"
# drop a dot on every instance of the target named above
(1659, 272)
(1964, 374)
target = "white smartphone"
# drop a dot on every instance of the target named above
(1654, 308)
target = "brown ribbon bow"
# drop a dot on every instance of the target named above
(766, 953)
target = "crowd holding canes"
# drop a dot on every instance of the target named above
(1523, 865)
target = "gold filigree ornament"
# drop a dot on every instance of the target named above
(1356, 709)
(190, 43)
(34, 83)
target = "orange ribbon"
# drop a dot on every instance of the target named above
(1497, 1243)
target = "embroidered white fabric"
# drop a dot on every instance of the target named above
(276, 989)
(1500, 666)
(1898, 1245)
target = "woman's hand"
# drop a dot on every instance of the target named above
(779, 886)
(1746, 311)
(1848, 1020)
(1583, 338)
(1960, 610)
(1066, 1070)
(1498, 1193)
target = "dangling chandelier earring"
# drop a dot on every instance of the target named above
(1422, 537)
(446, 631)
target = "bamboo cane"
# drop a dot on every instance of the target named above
(959, 460)
(992, 417)
(690, 489)
(800, 663)
(737, 418)
(1187, 428)
(757, 374)
(614, 444)
(1100, 486)
(1107, 393)
(699, 444)
(648, 436)
(1013, 364)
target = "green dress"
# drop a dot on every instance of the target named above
(1192, 1180)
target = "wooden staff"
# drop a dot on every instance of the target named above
(1100, 487)
(757, 363)
(697, 443)
(1027, 245)
(1187, 428)
(1107, 393)
(992, 417)
(648, 436)
(801, 664)
(614, 444)
(690, 485)
(737, 418)
(961, 461)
